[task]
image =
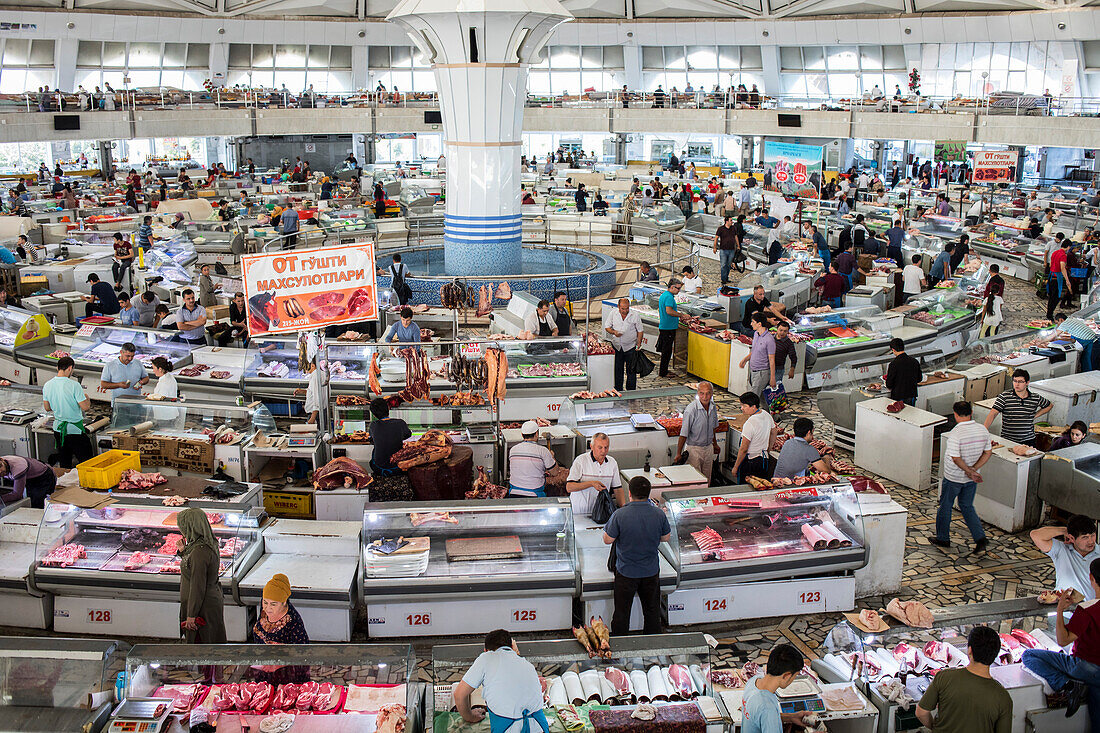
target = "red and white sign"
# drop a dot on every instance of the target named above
(995, 166)
(304, 289)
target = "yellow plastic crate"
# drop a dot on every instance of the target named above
(105, 470)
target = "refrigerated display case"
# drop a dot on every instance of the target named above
(652, 221)
(947, 311)
(468, 567)
(633, 440)
(671, 669)
(1070, 478)
(93, 346)
(360, 678)
(22, 408)
(114, 570)
(1022, 348)
(47, 684)
(763, 553)
(271, 368)
(913, 656)
(347, 222)
(194, 436)
(19, 328)
(321, 560)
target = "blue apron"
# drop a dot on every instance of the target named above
(500, 724)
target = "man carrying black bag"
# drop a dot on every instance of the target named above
(625, 329)
(637, 530)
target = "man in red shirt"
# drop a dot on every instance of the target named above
(1078, 675)
(1059, 277)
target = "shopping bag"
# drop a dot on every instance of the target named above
(603, 507)
(776, 399)
(640, 364)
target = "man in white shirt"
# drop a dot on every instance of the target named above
(528, 462)
(538, 321)
(864, 181)
(788, 228)
(913, 281)
(974, 213)
(1072, 549)
(592, 471)
(509, 685)
(757, 436)
(968, 448)
(692, 283)
(844, 186)
(624, 326)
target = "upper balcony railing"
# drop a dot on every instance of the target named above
(221, 98)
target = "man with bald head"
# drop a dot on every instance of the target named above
(624, 330)
(697, 432)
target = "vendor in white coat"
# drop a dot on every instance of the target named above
(591, 472)
(509, 685)
(312, 393)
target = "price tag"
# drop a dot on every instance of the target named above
(418, 620)
(471, 350)
(524, 615)
(99, 616)
(85, 330)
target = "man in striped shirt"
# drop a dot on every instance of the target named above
(968, 448)
(1018, 408)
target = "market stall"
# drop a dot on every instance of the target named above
(18, 605)
(57, 684)
(114, 569)
(1074, 397)
(351, 688)
(1070, 478)
(767, 553)
(880, 431)
(468, 567)
(321, 560)
(1008, 496)
(18, 328)
(668, 669)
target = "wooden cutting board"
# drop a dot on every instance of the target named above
(484, 548)
(416, 544)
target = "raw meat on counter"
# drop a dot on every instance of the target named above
(138, 560)
(194, 370)
(484, 488)
(219, 374)
(231, 546)
(141, 538)
(595, 395)
(171, 566)
(184, 697)
(275, 369)
(64, 556)
(341, 472)
(569, 369)
(433, 446)
(172, 544)
(246, 697)
(58, 354)
(419, 518)
(133, 480)
(911, 613)
(391, 719)
(597, 346)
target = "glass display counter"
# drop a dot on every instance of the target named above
(842, 335)
(632, 438)
(945, 310)
(468, 567)
(669, 668)
(18, 329)
(347, 221)
(93, 346)
(115, 570)
(46, 683)
(159, 263)
(193, 436)
(759, 542)
(355, 688)
(652, 221)
(271, 367)
(1035, 350)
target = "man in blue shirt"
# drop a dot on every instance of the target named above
(760, 711)
(145, 233)
(7, 257)
(123, 375)
(941, 266)
(102, 299)
(288, 225)
(637, 530)
(765, 219)
(128, 314)
(190, 319)
(895, 235)
(668, 323)
(405, 331)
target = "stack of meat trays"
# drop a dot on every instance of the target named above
(408, 561)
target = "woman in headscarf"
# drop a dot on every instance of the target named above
(279, 623)
(201, 616)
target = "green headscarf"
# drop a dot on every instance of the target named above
(195, 528)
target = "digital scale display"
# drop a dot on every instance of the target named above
(16, 417)
(800, 704)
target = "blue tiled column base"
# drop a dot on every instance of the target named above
(482, 245)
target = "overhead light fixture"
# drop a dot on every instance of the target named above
(1061, 26)
(908, 31)
(630, 34)
(221, 31)
(765, 33)
(70, 25)
(362, 34)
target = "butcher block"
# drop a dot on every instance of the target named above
(448, 479)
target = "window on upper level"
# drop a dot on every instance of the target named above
(701, 67)
(26, 64)
(832, 72)
(575, 69)
(399, 66)
(297, 66)
(974, 70)
(149, 65)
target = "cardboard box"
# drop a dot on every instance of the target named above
(151, 449)
(196, 456)
(217, 312)
(289, 503)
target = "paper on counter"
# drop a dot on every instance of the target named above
(590, 685)
(658, 690)
(573, 689)
(698, 679)
(640, 683)
(607, 690)
(557, 693)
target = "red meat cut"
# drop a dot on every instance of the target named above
(359, 303)
(328, 312)
(325, 299)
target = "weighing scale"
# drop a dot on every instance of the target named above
(17, 417)
(301, 441)
(139, 715)
(801, 695)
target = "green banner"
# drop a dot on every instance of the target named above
(950, 151)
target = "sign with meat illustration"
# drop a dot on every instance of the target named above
(304, 289)
(792, 170)
(995, 166)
